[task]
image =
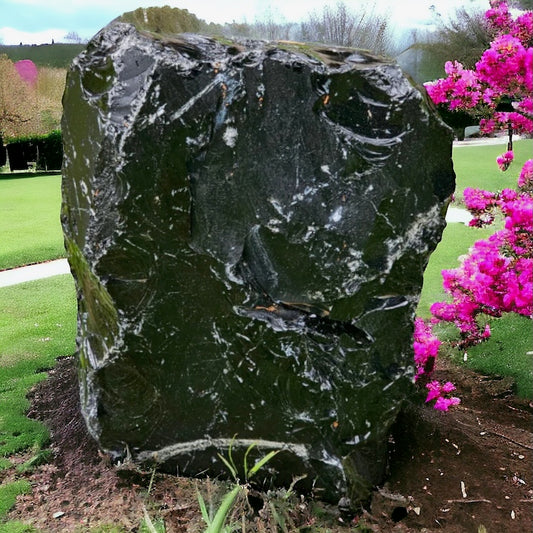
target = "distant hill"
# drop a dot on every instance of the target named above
(57, 55)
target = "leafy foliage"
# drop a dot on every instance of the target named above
(27, 108)
(163, 20)
(464, 37)
(18, 104)
(361, 28)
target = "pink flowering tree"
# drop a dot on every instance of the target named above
(27, 71)
(496, 277)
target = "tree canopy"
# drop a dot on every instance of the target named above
(29, 108)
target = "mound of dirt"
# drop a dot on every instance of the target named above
(450, 472)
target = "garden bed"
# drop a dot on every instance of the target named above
(451, 472)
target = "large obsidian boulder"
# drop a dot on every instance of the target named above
(248, 224)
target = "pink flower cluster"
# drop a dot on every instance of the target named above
(496, 276)
(480, 204)
(426, 347)
(505, 160)
(498, 17)
(525, 180)
(439, 393)
(500, 20)
(460, 90)
(500, 121)
(504, 72)
(510, 51)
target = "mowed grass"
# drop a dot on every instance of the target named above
(476, 166)
(38, 324)
(509, 352)
(30, 229)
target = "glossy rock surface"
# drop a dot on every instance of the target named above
(248, 225)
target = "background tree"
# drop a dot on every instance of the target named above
(73, 37)
(362, 28)
(272, 28)
(18, 102)
(27, 109)
(464, 36)
(49, 91)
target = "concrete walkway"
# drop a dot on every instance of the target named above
(480, 141)
(456, 214)
(33, 272)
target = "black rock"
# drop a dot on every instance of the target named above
(248, 224)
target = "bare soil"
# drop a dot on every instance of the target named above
(449, 472)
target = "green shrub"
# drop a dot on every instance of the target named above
(50, 151)
(20, 153)
(45, 150)
(163, 20)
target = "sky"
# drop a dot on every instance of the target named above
(40, 21)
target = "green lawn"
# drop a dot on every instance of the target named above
(507, 353)
(38, 324)
(30, 230)
(476, 166)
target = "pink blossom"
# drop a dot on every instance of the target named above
(443, 404)
(434, 389)
(505, 160)
(525, 106)
(523, 27)
(436, 92)
(504, 49)
(528, 67)
(525, 180)
(499, 16)
(487, 125)
(443, 311)
(439, 392)
(453, 67)
(477, 199)
(425, 345)
(27, 71)
(448, 387)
